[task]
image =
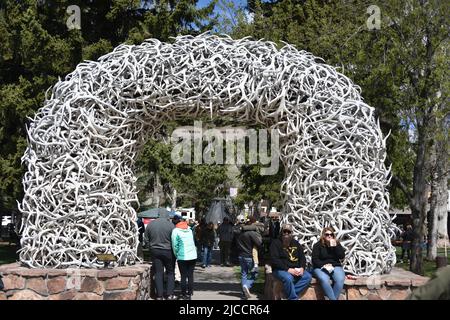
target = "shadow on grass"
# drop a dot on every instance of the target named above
(429, 267)
(8, 253)
(258, 285)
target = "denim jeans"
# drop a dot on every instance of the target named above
(247, 276)
(338, 277)
(207, 255)
(293, 286)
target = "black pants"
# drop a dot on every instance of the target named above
(187, 271)
(406, 247)
(163, 259)
(224, 251)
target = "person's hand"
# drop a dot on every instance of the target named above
(294, 272)
(332, 242)
(300, 271)
(329, 267)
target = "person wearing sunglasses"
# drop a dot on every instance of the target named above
(327, 254)
(288, 263)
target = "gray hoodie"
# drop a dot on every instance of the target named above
(158, 233)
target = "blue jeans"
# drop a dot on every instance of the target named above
(338, 277)
(247, 276)
(207, 255)
(293, 286)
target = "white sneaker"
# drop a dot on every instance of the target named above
(247, 293)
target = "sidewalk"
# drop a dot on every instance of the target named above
(216, 283)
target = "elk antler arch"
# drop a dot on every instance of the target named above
(79, 184)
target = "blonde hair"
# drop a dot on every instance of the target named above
(322, 236)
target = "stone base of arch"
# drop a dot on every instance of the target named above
(121, 283)
(396, 285)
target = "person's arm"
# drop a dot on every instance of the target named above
(275, 259)
(339, 251)
(257, 239)
(317, 262)
(211, 238)
(250, 227)
(175, 245)
(146, 238)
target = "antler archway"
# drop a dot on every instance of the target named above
(80, 185)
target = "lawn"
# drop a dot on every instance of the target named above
(429, 266)
(258, 285)
(8, 253)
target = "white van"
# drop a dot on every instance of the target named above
(188, 213)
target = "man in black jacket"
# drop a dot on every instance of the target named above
(245, 243)
(157, 238)
(288, 263)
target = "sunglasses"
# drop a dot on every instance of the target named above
(287, 231)
(329, 235)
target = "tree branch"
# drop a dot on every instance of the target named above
(403, 187)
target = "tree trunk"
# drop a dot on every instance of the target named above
(156, 190)
(442, 166)
(419, 200)
(433, 221)
(174, 199)
(439, 193)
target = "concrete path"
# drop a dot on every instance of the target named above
(216, 283)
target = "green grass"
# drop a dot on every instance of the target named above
(428, 266)
(258, 285)
(8, 253)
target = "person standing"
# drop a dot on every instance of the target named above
(141, 230)
(157, 237)
(274, 228)
(245, 243)
(253, 225)
(225, 232)
(407, 238)
(186, 254)
(288, 263)
(327, 254)
(207, 241)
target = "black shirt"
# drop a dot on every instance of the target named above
(284, 258)
(322, 255)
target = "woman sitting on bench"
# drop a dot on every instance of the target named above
(326, 256)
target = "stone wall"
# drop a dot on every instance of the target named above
(122, 283)
(396, 285)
